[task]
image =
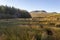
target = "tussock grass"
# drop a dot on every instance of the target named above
(12, 29)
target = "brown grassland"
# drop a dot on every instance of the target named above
(35, 28)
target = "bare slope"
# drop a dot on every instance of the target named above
(44, 14)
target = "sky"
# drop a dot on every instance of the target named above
(31, 5)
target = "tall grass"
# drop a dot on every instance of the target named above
(12, 29)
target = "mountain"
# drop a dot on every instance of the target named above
(43, 14)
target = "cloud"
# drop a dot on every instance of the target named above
(3, 2)
(6, 2)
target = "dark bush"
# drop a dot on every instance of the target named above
(11, 12)
(58, 25)
(51, 23)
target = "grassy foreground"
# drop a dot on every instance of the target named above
(16, 29)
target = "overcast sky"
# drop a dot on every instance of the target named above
(29, 5)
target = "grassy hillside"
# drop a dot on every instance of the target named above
(43, 14)
(28, 29)
(16, 24)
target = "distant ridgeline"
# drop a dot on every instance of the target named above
(45, 16)
(42, 13)
(11, 12)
